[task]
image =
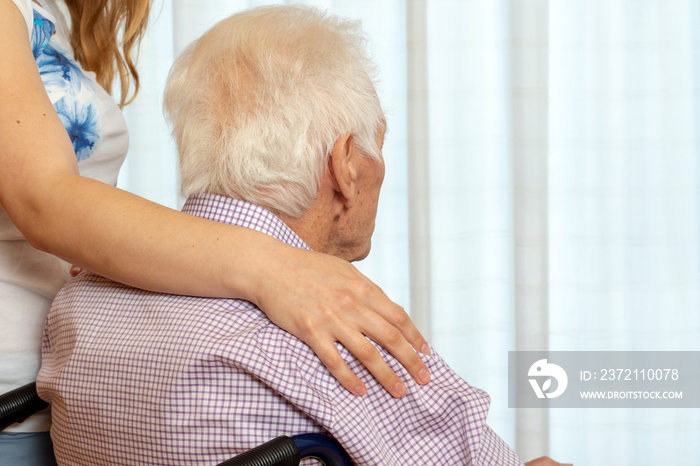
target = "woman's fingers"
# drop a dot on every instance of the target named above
(392, 339)
(322, 300)
(350, 322)
(330, 357)
(387, 324)
(367, 354)
(399, 318)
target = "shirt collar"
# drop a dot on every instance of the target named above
(243, 214)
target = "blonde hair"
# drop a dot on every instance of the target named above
(257, 103)
(104, 36)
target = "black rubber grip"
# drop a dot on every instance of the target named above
(280, 451)
(19, 404)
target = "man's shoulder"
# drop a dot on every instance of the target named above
(90, 299)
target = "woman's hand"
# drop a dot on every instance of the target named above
(322, 299)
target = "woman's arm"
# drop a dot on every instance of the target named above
(318, 298)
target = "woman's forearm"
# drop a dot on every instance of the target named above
(134, 241)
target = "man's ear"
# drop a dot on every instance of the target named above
(344, 169)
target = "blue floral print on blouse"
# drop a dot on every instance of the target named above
(64, 81)
(81, 124)
(42, 32)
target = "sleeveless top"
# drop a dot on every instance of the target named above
(29, 278)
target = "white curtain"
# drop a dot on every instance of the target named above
(542, 189)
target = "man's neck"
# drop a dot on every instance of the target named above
(312, 228)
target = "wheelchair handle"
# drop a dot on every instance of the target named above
(286, 451)
(19, 404)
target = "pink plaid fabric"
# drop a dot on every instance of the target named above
(142, 378)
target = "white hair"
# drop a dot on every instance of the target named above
(257, 103)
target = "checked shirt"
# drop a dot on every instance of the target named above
(143, 378)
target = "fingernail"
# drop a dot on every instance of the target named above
(424, 376)
(360, 390)
(399, 390)
(425, 349)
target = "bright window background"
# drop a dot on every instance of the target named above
(542, 189)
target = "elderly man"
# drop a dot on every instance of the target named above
(279, 129)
